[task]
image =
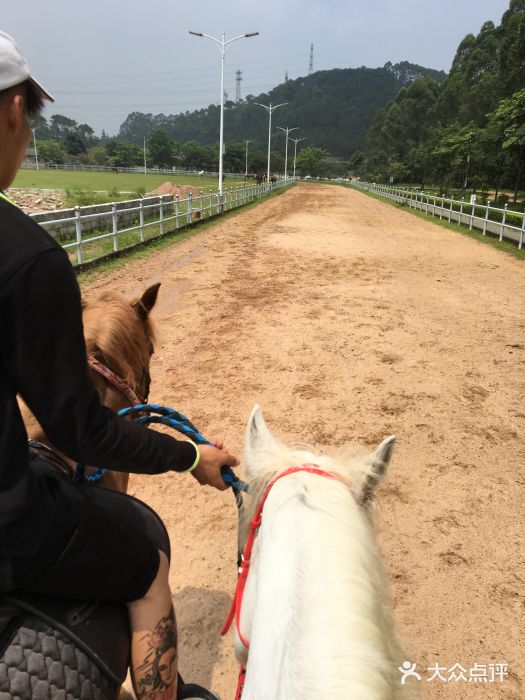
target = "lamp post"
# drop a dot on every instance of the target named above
(246, 169)
(270, 109)
(286, 131)
(34, 146)
(222, 44)
(296, 141)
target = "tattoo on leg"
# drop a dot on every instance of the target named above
(159, 668)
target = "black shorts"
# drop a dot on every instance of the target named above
(110, 553)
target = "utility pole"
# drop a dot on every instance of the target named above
(286, 75)
(286, 131)
(270, 109)
(466, 174)
(246, 171)
(145, 164)
(296, 141)
(311, 63)
(34, 146)
(222, 44)
(238, 78)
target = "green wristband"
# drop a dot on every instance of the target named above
(197, 458)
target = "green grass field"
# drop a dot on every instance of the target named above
(48, 178)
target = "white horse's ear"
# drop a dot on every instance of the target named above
(258, 439)
(380, 460)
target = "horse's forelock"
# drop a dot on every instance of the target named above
(113, 329)
(350, 464)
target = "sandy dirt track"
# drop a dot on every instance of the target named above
(348, 319)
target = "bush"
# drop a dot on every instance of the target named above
(78, 197)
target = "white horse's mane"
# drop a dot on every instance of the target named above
(317, 606)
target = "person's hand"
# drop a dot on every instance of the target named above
(213, 457)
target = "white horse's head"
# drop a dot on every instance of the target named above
(266, 456)
(316, 590)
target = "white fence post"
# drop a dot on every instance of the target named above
(161, 214)
(503, 220)
(450, 211)
(202, 203)
(189, 208)
(115, 226)
(211, 203)
(486, 218)
(218, 202)
(461, 211)
(78, 231)
(141, 220)
(522, 232)
(177, 211)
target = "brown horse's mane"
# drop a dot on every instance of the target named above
(118, 334)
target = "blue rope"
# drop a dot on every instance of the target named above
(81, 476)
(178, 421)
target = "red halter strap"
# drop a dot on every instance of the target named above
(114, 379)
(235, 609)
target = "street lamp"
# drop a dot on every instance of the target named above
(270, 109)
(34, 146)
(246, 170)
(286, 131)
(296, 141)
(222, 44)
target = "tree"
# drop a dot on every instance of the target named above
(126, 155)
(311, 161)
(234, 158)
(74, 144)
(60, 126)
(195, 156)
(160, 148)
(51, 151)
(507, 123)
(97, 155)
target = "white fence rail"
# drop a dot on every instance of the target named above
(31, 165)
(128, 223)
(503, 223)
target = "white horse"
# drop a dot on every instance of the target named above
(315, 610)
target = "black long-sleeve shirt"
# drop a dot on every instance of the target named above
(43, 358)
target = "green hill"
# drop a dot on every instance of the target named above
(333, 108)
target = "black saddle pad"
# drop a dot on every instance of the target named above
(101, 630)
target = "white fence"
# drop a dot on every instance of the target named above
(503, 223)
(133, 222)
(31, 165)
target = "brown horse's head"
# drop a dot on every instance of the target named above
(120, 335)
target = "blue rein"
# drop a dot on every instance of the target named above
(176, 420)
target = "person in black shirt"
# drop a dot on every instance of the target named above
(57, 537)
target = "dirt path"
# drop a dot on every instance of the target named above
(347, 319)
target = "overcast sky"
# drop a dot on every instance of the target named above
(103, 60)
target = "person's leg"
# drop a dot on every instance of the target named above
(154, 640)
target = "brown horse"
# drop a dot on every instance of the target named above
(119, 340)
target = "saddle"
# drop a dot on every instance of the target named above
(49, 646)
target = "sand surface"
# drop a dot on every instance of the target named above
(348, 319)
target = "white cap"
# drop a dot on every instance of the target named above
(13, 67)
